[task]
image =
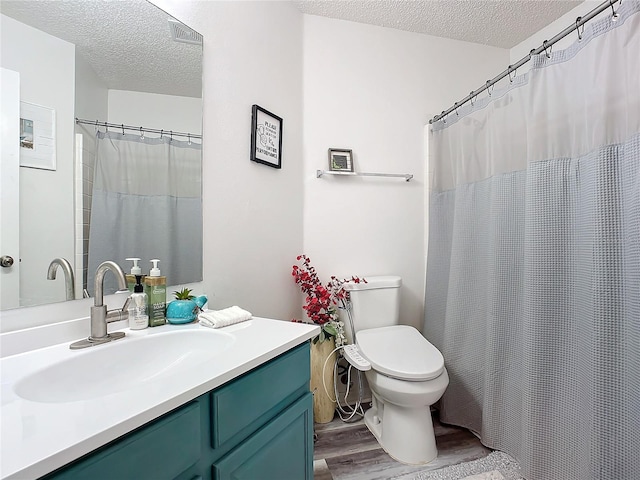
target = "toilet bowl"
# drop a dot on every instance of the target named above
(407, 376)
(407, 373)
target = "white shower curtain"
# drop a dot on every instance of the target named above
(533, 276)
(147, 203)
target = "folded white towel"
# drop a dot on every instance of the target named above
(222, 318)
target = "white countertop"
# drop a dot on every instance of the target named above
(38, 438)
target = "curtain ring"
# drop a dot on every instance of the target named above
(544, 45)
(141, 133)
(614, 16)
(161, 133)
(171, 135)
(472, 99)
(509, 70)
(189, 137)
(444, 117)
(455, 107)
(490, 87)
(580, 33)
(122, 125)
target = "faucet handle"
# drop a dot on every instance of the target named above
(118, 314)
(125, 307)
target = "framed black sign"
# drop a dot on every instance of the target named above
(266, 137)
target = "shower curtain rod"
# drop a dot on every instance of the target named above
(138, 129)
(580, 21)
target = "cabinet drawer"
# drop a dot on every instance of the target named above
(245, 404)
(160, 451)
(282, 449)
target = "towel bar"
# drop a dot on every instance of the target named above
(406, 176)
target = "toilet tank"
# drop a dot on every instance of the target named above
(374, 304)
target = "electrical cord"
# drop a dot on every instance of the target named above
(357, 408)
(348, 412)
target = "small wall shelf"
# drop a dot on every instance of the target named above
(406, 176)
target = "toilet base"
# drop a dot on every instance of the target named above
(406, 434)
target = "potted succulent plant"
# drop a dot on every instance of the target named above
(185, 307)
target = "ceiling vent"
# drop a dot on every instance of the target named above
(183, 34)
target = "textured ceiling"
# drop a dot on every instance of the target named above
(500, 23)
(127, 42)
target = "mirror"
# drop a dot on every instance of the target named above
(125, 63)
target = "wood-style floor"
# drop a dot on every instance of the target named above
(348, 451)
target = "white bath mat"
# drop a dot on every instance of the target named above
(495, 466)
(492, 475)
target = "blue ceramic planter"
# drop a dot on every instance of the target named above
(185, 311)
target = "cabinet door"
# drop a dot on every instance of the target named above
(245, 404)
(282, 449)
(159, 451)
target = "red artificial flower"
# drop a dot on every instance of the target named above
(320, 299)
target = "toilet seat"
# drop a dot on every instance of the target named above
(400, 351)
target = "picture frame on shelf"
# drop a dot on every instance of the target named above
(340, 160)
(266, 137)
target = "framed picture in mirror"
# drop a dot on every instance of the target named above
(340, 160)
(37, 136)
(266, 137)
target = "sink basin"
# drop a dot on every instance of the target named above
(132, 362)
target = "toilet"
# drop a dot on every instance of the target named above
(407, 373)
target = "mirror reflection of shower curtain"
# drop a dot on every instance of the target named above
(533, 272)
(147, 203)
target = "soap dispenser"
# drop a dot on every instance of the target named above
(138, 318)
(135, 270)
(156, 287)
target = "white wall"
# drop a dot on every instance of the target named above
(46, 66)
(373, 90)
(252, 213)
(367, 88)
(152, 110)
(551, 30)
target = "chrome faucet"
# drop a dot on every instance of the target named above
(69, 282)
(100, 316)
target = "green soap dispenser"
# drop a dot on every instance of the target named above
(135, 270)
(156, 288)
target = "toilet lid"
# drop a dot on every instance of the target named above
(400, 351)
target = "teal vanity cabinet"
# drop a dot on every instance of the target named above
(257, 426)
